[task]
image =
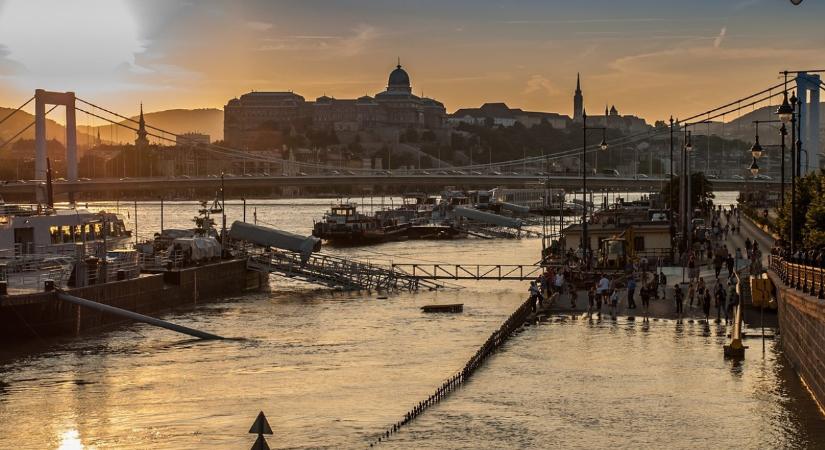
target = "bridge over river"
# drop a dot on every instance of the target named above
(127, 188)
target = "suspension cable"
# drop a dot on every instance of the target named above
(18, 109)
(9, 140)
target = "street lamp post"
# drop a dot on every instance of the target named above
(585, 244)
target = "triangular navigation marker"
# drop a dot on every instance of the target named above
(261, 426)
(260, 444)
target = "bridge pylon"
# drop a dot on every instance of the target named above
(41, 99)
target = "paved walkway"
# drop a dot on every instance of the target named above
(665, 307)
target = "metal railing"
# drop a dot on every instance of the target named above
(499, 272)
(336, 272)
(808, 279)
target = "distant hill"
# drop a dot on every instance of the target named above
(208, 121)
(742, 127)
(21, 119)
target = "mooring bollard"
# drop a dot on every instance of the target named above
(260, 427)
(48, 285)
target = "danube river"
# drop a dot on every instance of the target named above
(331, 370)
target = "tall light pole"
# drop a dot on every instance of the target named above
(585, 244)
(670, 193)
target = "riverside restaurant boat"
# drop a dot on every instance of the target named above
(28, 229)
(343, 224)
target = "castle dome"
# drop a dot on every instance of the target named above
(399, 80)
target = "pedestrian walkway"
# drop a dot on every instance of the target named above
(665, 306)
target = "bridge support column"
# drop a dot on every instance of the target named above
(41, 99)
(40, 141)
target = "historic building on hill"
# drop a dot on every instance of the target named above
(502, 115)
(259, 114)
(499, 114)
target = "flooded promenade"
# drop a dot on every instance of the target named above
(331, 370)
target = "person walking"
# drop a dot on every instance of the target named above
(706, 304)
(717, 264)
(592, 302)
(663, 284)
(700, 292)
(645, 294)
(535, 294)
(730, 262)
(678, 298)
(733, 297)
(603, 288)
(631, 290)
(720, 302)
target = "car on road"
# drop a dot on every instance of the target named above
(494, 172)
(762, 176)
(737, 177)
(640, 176)
(711, 176)
(424, 172)
(85, 179)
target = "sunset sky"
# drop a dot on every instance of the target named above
(649, 58)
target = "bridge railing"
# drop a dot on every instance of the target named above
(800, 276)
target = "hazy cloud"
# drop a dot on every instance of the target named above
(258, 26)
(355, 44)
(718, 41)
(538, 83)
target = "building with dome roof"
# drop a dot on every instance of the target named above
(387, 113)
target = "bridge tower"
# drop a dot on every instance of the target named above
(807, 91)
(41, 99)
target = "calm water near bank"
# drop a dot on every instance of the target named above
(330, 370)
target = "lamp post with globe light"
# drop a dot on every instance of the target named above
(585, 243)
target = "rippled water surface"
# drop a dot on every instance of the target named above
(332, 370)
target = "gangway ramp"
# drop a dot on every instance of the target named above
(500, 272)
(336, 272)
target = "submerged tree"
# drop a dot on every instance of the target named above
(701, 191)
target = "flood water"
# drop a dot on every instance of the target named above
(331, 370)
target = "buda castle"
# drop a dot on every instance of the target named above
(384, 116)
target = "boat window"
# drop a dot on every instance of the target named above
(54, 232)
(92, 232)
(76, 232)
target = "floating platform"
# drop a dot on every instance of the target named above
(452, 308)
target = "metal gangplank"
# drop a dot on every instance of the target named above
(520, 272)
(494, 232)
(336, 272)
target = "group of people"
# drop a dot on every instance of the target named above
(723, 298)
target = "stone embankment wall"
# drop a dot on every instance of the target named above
(802, 328)
(42, 314)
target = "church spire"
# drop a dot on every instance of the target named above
(141, 142)
(578, 101)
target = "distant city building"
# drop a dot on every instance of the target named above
(611, 117)
(578, 101)
(255, 114)
(502, 115)
(191, 138)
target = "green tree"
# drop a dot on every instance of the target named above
(701, 191)
(809, 221)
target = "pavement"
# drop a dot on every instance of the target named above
(665, 307)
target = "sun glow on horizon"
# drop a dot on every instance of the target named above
(87, 45)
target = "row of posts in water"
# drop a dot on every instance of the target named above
(496, 339)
